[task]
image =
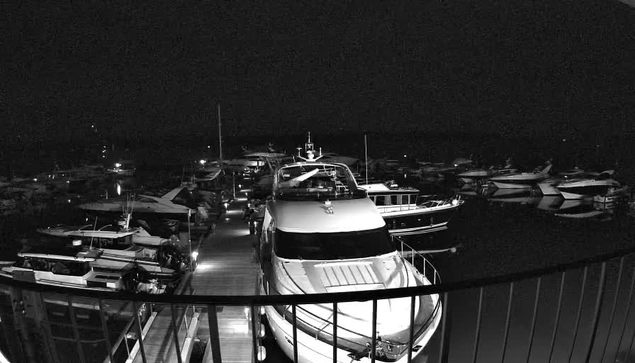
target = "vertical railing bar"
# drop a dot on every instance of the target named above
(176, 334)
(335, 332)
(71, 311)
(596, 314)
(617, 291)
(104, 327)
(373, 339)
(577, 319)
(135, 310)
(478, 324)
(628, 313)
(294, 322)
(533, 319)
(214, 337)
(47, 325)
(557, 318)
(254, 338)
(630, 348)
(411, 330)
(510, 299)
(443, 353)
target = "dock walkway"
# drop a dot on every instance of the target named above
(226, 266)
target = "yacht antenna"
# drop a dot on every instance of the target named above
(93, 237)
(309, 149)
(366, 157)
(220, 140)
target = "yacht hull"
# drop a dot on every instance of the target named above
(419, 221)
(504, 185)
(312, 350)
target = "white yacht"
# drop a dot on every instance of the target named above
(175, 204)
(473, 175)
(588, 187)
(549, 186)
(118, 247)
(76, 272)
(406, 213)
(521, 180)
(322, 234)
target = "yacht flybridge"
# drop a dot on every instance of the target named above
(322, 234)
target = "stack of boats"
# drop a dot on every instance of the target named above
(573, 193)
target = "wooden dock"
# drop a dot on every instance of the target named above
(226, 266)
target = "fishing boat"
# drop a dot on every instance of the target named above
(408, 213)
(322, 234)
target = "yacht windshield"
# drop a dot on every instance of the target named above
(333, 246)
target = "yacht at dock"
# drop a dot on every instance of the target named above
(322, 234)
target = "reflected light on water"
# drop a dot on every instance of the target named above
(205, 266)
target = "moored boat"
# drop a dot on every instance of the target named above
(322, 234)
(406, 213)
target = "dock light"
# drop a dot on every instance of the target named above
(69, 201)
(262, 311)
(405, 156)
(209, 146)
(118, 189)
(262, 332)
(262, 353)
(117, 165)
(202, 161)
(226, 205)
(195, 255)
(455, 201)
(35, 179)
(77, 242)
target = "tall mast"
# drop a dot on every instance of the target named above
(220, 139)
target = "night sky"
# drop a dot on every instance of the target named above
(140, 69)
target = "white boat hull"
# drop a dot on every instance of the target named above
(572, 196)
(502, 185)
(312, 350)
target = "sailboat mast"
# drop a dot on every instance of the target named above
(366, 158)
(220, 139)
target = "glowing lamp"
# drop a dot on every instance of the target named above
(202, 161)
(117, 165)
(455, 202)
(194, 255)
(262, 354)
(262, 332)
(262, 310)
(118, 189)
(77, 242)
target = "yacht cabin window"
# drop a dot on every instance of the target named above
(333, 246)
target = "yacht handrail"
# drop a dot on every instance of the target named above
(414, 255)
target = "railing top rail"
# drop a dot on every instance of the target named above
(250, 300)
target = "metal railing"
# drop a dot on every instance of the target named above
(576, 312)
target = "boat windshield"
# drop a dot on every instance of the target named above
(332, 246)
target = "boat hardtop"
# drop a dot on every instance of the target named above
(328, 216)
